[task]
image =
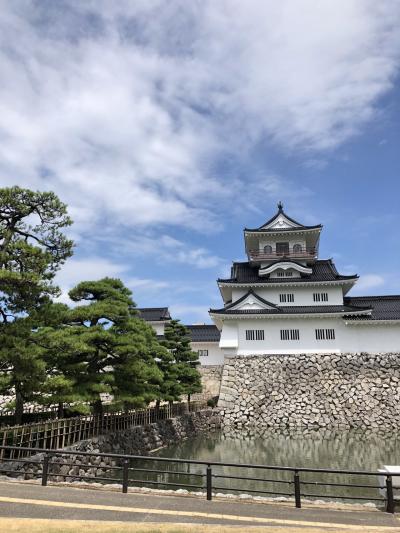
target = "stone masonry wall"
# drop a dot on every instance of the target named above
(139, 440)
(330, 391)
(210, 380)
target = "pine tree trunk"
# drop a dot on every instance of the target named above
(19, 406)
(97, 407)
(188, 401)
(60, 410)
(157, 408)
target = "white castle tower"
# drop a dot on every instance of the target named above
(285, 299)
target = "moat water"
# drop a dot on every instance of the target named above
(348, 450)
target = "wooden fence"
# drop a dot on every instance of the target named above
(56, 434)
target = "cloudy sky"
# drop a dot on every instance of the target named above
(168, 126)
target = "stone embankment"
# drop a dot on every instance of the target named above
(321, 390)
(139, 440)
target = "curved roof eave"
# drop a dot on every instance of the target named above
(281, 314)
(293, 281)
(296, 229)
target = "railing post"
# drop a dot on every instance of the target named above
(45, 472)
(389, 495)
(209, 482)
(297, 496)
(125, 476)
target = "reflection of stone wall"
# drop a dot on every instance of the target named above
(324, 390)
(210, 380)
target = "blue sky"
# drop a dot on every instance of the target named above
(169, 126)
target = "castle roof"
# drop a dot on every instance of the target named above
(295, 310)
(322, 270)
(204, 333)
(383, 307)
(268, 226)
(154, 314)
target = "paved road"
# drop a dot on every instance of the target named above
(34, 501)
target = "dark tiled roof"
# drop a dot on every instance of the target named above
(293, 310)
(383, 307)
(204, 333)
(153, 314)
(281, 211)
(322, 270)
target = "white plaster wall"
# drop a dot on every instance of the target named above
(229, 335)
(215, 354)
(302, 295)
(348, 338)
(372, 338)
(158, 327)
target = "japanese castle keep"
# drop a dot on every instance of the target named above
(286, 300)
(290, 347)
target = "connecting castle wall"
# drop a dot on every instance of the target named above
(319, 390)
(211, 376)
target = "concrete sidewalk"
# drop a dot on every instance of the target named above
(26, 500)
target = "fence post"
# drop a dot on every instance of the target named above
(209, 482)
(45, 472)
(297, 496)
(389, 495)
(125, 476)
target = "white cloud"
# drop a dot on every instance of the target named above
(369, 281)
(160, 249)
(148, 285)
(124, 107)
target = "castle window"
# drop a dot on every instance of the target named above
(286, 298)
(280, 273)
(290, 335)
(254, 334)
(325, 334)
(202, 353)
(268, 249)
(297, 248)
(289, 273)
(320, 296)
(282, 248)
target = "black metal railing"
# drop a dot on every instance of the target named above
(295, 480)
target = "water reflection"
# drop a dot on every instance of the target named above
(349, 450)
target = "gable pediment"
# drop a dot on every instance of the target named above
(249, 301)
(281, 222)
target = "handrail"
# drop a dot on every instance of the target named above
(308, 252)
(125, 460)
(212, 463)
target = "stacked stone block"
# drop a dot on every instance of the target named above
(318, 390)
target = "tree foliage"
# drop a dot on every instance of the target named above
(181, 376)
(52, 353)
(32, 248)
(100, 347)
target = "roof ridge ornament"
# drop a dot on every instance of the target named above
(280, 206)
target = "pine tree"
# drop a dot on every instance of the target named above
(181, 376)
(137, 378)
(32, 248)
(102, 347)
